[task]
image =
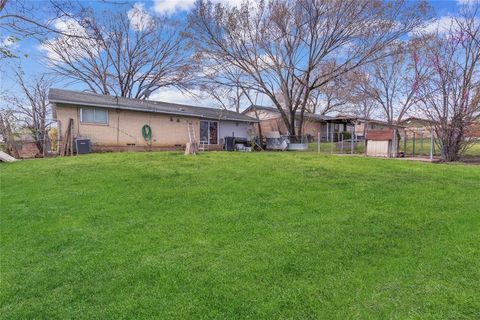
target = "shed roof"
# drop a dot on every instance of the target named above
(380, 135)
(76, 98)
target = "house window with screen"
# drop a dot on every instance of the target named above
(209, 132)
(94, 115)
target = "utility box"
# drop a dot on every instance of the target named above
(83, 146)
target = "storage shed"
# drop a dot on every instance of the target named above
(382, 143)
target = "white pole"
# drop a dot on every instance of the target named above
(331, 143)
(431, 144)
(318, 142)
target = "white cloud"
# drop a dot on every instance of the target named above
(442, 25)
(9, 41)
(139, 17)
(69, 26)
(173, 95)
(74, 47)
(466, 2)
(172, 6)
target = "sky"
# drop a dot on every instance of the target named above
(32, 55)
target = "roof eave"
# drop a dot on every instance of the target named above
(146, 110)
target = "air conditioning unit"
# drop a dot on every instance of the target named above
(83, 146)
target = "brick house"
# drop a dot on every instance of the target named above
(115, 123)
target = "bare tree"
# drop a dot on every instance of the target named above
(393, 82)
(451, 97)
(334, 96)
(129, 54)
(283, 46)
(6, 132)
(20, 18)
(224, 84)
(31, 108)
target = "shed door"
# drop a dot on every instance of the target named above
(377, 148)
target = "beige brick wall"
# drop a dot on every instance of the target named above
(125, 127)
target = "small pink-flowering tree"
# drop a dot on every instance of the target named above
(451, 96)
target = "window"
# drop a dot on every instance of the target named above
(94, 115)
(209, 132)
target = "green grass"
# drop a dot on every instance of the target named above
(239, 235)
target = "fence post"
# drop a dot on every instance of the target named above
(331, 142)
(431, 144)
(421, 143)
(394, 143)
(318, 142)
(352, 141)
(413, 146)
(341, 137)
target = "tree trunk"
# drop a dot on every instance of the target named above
(6, 129)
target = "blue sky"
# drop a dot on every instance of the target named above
(33, 64)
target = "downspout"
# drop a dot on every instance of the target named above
(118, 122)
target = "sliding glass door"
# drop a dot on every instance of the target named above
(209, 132)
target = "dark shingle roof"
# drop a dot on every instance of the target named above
(97, 100)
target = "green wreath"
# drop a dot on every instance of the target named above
(147, 133)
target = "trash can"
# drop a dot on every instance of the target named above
(230, 143)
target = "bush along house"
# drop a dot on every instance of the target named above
(113, 123)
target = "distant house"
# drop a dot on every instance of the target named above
(271, 121)
(26, 146)
(473, 130)
(417, 126)
(382, 143)
(361, 125)
(115, 123)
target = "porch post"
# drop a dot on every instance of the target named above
(328, 131)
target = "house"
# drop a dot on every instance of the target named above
(417, 127)
(270, 120)
(115, 123)
(382, 143)
(362, 125)
(473, 130)
(26, 146)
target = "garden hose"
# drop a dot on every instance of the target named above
(147, 133)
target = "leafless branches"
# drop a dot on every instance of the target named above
(21, 18)
(451, 96)
(31, 108)
(283, 47)
(129, 55)
(392, 82)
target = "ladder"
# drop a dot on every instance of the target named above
(203, 146)
(191, 147)
(192, 138)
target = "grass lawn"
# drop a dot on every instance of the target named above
(239, 235)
